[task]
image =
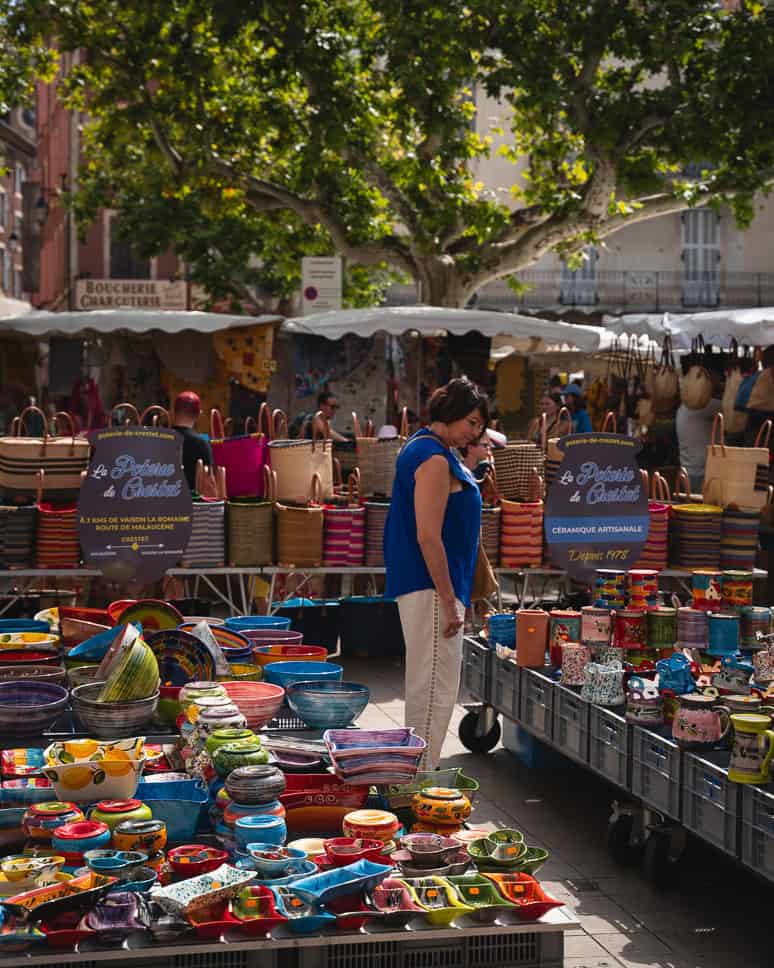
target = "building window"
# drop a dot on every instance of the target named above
(579, 286)
(701, 258)
(124, 261)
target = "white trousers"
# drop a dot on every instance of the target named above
(433, 665)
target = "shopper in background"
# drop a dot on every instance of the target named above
(576, 404)
(185, 412)
(430, 548)
(327, 406)
(550, 405)
(694, 433)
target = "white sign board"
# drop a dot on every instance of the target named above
(130, 294)
(321, 280)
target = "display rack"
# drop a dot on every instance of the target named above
(20, 583)
(670, 790)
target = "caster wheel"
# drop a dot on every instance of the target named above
(471, 740)
(619, 842)
(659, 864)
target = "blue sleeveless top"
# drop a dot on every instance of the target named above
(406, 568)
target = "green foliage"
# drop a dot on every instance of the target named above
(247, 135)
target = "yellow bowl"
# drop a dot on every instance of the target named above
(20, 640)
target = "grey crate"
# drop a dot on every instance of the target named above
(610, 746)
(757, 838)
(537, 704)
(477, 669)
(503, 949)
(656, 765)
(506, 678)
(711, 802)
(571, 724)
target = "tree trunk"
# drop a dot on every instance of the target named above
(443, 283)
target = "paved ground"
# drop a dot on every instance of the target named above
(715, 916)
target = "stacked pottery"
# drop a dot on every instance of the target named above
(113, 812)
(72, 839)
(643, 588)
(662, 627)
(596, 626)
(41, 819)
(251, 791)
(371, 825)
(737, 589)
(707, 589)
(631, 629)
(692, 629)
(611, 589)
(440, 810)
(696, 533)
(564, 626)
(724, 637)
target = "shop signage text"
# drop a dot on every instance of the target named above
(130, 294)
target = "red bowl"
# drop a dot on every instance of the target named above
(183, 860)
(266, 654)
(100, 616)
(29, 657)
(341, 850)
(115, 609)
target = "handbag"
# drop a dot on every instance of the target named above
(696, 385)
(484, 581)
(762, 394)
(515, 464)
(300, 530)
(554, 455)
(664, 382)
(132, 418)
(521, 531)
(344, 531)
(377, 458)
(243, 456)
(737, 475)
(63, 458)
(296, 462)
(251, 527)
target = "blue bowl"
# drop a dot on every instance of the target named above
(240, 622)
(289, 862)
(287, 673)
(327, 704)
(141, 880)
(260, 829)
(23, 625)
(93, 649)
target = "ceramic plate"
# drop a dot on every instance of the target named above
(152, 615)
(206, 888)
(181, 657)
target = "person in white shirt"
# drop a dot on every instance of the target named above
(694, 432)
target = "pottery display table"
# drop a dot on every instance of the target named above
(518, 945)
(21, 583)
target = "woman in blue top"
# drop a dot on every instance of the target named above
(430, 549)
(576, 404)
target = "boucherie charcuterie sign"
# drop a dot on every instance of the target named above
(596, 513)
(134, 510)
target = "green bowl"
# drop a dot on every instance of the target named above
(532, 860)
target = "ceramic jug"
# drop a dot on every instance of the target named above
(753, 749)
(734, 676)
(644, 704)
(603, 684)
(676, 673)
(763, 663)
(700, 723)
(531, 637)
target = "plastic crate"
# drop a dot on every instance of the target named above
(571, 724)
(609, 746)
(537, 704)
(531, 752)
(711, 806)
(656, 766)
(503, 949)
(477, 669)
(506, 677)
(757, 838)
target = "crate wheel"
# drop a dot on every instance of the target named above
(619, 840)
(659, 863)
(471, 740)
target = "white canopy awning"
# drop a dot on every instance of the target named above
(43, 323)
(528, 332)
(753, 327)
(13, 307)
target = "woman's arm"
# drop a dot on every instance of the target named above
(431, 495)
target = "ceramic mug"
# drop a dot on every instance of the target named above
(763, 663)
(700, 723)
(603, 684)
(734, 676)
(753, 749)
(644, 703)
(575, 657)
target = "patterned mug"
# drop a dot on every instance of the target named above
(763, 663)
(575, 658)
(603, 684)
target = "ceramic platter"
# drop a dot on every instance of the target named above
(181, 657)
(152, 615)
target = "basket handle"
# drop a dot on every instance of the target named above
(661, 488)
(537, 485)
(682, 478)
(264, 420)
(563, 412)
(157, 412)
(370, 429)
(269, 484)
(68, 417)
(279, 419)
(250, 422)
(21, 426)
(338, 480)
(765, 426)
(217, 430)
(403, 432)
(353, 486)
(717, 421)
(126, 406)
(355, 424)
(609, 419)
(40, 480)
(317, 489)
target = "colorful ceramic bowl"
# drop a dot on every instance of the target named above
(28, 707)
(112, 719)
(272, 860)
(371, 824)
(245, 752)
(114, 812)
(430, 850)
(23, 640)
(20, 867)
(327, 705)
(151, 614)
(441, 805)
(286, 673)
(118, 863)
(94, 750)
(41, 819)
(347, 850)
(255, 784)
(80, 836)
(311, 846)
(258, 702)
(39, 673)
(260, 830)
(149, 836)
(226, 734)
(82, 674)
(288, 651)
(190, 860)
(87, 781)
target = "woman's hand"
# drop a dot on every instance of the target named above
(451, 620)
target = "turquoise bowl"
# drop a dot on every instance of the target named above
(288, 673)
(327, 704)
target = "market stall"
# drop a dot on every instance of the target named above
(204, 792)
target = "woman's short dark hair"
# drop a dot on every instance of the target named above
(456, 400)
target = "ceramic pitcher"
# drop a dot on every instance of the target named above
(574, 659)
(753, 749)
(531, 637)
(700, 723)
(603, 684)
(734, 676)
(676, 673)
(644, 703)
(763, 663)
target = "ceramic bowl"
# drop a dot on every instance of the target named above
(21, 640)
(245, 752)
(20, 867)
(273, 636)
(327, 705)
(29, 707)
(94, 750)
(81, 675)
(429, 850)
(311, 846)
(287, 650)
(80, 836)
(41, 819)
(275, 861)
(111, 719)
(371, 824)
(243, 672)
(258, 702)
(286, 673)
(347, 850)
(190, 860)
(141, 880)
(255, 784)
(14, 657)
(149, 836)
(88, 781)
(241, 623)
(116, 863)
(40, 673)
(260, 830)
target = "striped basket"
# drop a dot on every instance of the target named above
(207, 544)
(655, 554)
(57, 545)
(376, 519)
(521, 534)
(344, 528)
(490, 533)
(251, 528)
